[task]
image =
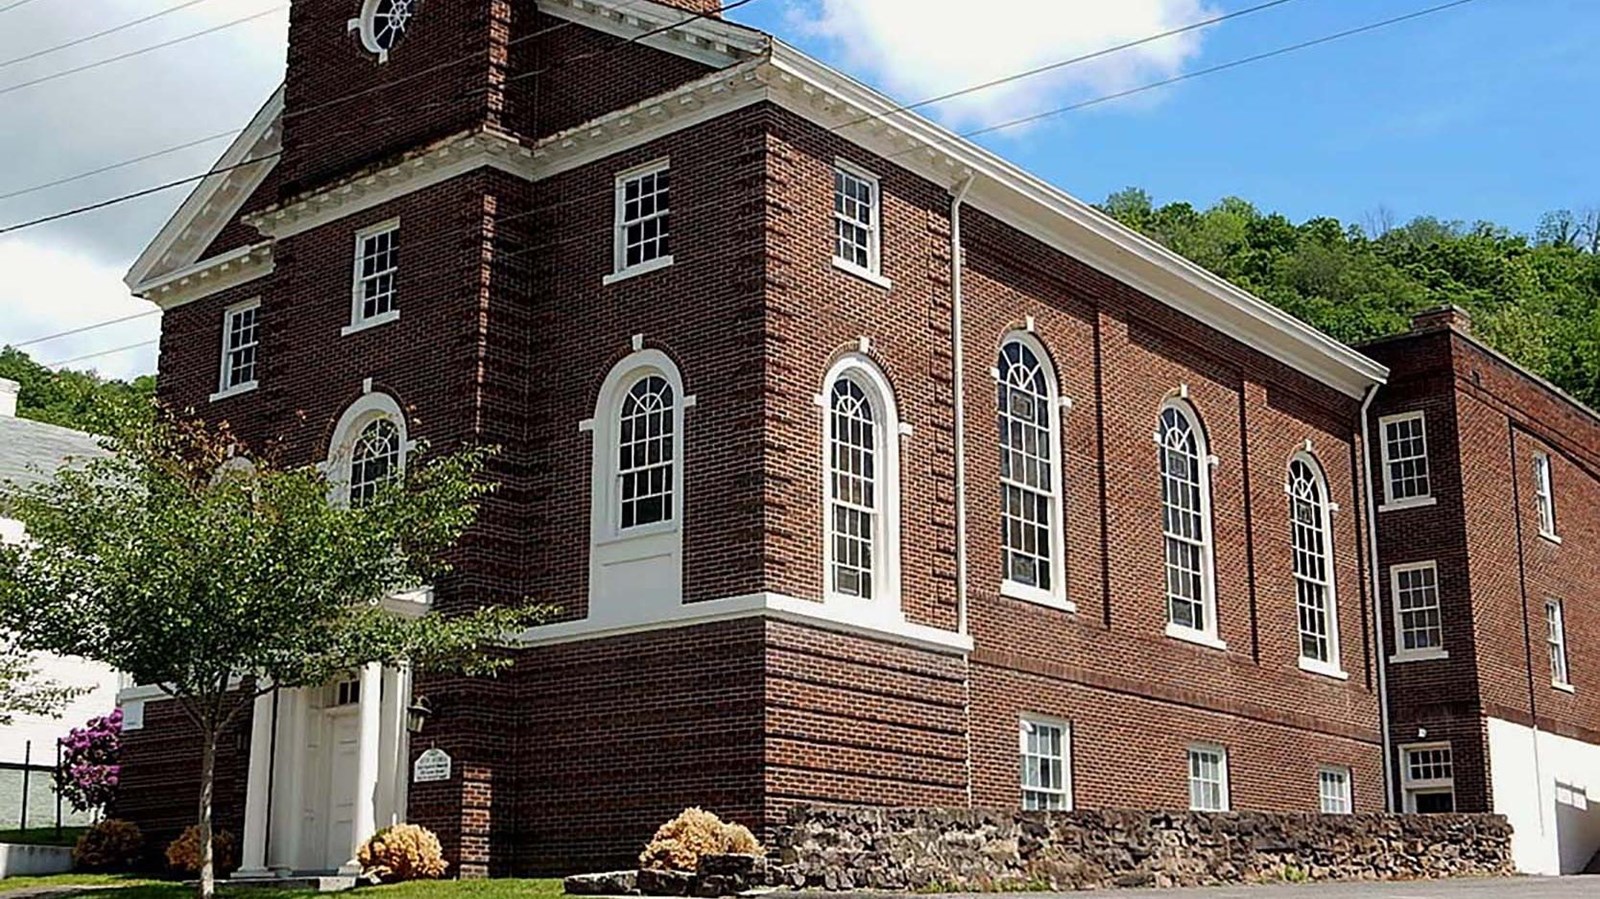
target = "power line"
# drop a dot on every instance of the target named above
(120, 349)
(364, 125)
(141, 51)
(1075, 60)
(10, 6)
(973, 133)
(117, 165)
(99, 34)
(1209, 70)
(115, 321)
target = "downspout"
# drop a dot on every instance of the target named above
(1375, 574)
(958, 195)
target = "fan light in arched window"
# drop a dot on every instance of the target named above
(644, 453)
(1026, 467)
(1183, 520)
(853, 489)
(374, 459)
(1313, 575)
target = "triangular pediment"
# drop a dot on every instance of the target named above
(215, 200)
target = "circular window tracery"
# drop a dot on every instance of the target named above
(383, 23)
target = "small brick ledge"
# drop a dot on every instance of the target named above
(982, 850)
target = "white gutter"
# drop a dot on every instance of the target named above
(1374, 571)
(958, 196)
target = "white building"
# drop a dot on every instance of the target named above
(29, 452)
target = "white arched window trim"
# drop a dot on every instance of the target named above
(641, 565)
(372, 406)
(1333, 666)
(861, 370)
(1209, 635)
(1057, 594)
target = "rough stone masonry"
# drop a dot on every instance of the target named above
(961, 849)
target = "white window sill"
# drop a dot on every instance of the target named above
(1565, 688)
(1026, 593)
(1190, 635)
(1419, 655)
(862, 273)
(1323, 669)
(640, 532)
(235, 390)
(1416, 502)
(643, 268)
(1553, 538)
(373, 322)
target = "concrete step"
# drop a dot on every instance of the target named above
(320, 883)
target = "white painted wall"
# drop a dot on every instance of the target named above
(29, 861)
(44, 731)
(1548, 786)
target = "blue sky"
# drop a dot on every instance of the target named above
(1478, 112)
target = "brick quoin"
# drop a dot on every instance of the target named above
(506, 332)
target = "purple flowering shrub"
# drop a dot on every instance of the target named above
(89, 771)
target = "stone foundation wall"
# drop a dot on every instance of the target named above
(930, 849)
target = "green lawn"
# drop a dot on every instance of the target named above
(136, 888)
(43, 836)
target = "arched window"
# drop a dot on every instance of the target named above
(862, 483)
(369, 448)
(374, 460)
(1186, 522)
(1030, 474)
(637, 503)
(645, 453)
(1311, 542)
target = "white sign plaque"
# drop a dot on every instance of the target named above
(431, 766)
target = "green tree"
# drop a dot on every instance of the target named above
(81, 400)
(184, 562)
(23, 691)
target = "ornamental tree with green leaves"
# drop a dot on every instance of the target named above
(185, 562)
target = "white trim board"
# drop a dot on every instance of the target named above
(214, 203)
(836, 617)
(876, 123)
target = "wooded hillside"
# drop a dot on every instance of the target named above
(1535, 299)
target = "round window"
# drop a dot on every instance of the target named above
(383, 23)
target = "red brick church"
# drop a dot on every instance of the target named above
(864, 466)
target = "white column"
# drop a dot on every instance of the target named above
(391, 726)
(295, 711)
(253, 856)
(365, 815)
(402, 787)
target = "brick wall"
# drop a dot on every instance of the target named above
(1486, 420)
(160, 786)
(505, 335)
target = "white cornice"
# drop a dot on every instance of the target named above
(210, 276)
(838, 618)
(214, 202)
(1020, 199)
(832, 100)
(707, 40)
(449, 158)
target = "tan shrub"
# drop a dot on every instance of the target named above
(110, 845)
(679, 843)
(183, 854)
(402, 852)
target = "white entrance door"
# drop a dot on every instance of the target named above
(343, 728)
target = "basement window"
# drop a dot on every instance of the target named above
(1427, 776)
(1045, 747)
(1333, 790)
(1208, 778)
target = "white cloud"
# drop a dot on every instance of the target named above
(68, 273)
(47, 289)
(917, 49)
